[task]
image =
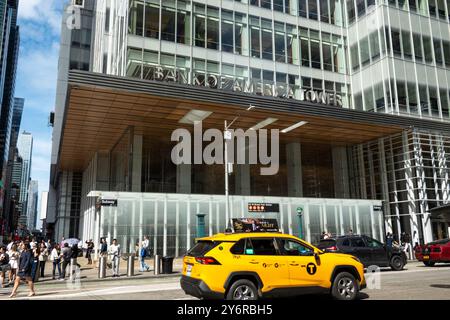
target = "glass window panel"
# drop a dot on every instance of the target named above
(354, 56)
(327, 57)
(406, 41)
(136, 19)
(412, 98)
(401, 94)
(183, 27)
(324, 14)
(266, 4)
(241, 43)
(438, 51)
(432, 7)
(412, 5)
(396, 43)
(424, 106)
(333, 11)
(312, 7)
(365, 55)
(350, 11)
(361, 7)
(227, 36)
(168, 24)
(305, 52)
(317, 84)
(388, 40)
(441, 9)
(266, 41)
(368, 100)
(278, 5)
(152, 21)
(280, 47)
(445, 103)
(200, 30)
(379, 96)
(359, 102)
(434, 101)
(302, 11)
(213, 33)
(292, 45)
(255, 42)
(374, 45)
(370, 3)
(427, 49)
(417, 47)
(306, 83)
(315, 54)
(446, 49)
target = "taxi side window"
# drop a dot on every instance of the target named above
(294, 248)
(261, 247)
(238, 247)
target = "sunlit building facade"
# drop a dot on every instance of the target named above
(369, 79)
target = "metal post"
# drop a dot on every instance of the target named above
(71, 269)
(200, 225)
(130, 267)
(157, 264)
(102, 268)
(227, 204)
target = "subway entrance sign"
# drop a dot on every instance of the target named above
(264, 207)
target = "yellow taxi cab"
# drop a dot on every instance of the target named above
(250, 266)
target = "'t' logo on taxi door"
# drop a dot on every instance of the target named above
(311, 268)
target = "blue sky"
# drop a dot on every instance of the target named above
(40, 23)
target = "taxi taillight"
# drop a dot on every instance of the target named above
(207, 261)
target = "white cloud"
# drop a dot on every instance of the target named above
(42, 11)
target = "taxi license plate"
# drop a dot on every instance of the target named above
(426, 257)
(189, 270)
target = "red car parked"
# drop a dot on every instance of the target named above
(434, 252)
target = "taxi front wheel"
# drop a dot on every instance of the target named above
(242, 290)
(345, 287)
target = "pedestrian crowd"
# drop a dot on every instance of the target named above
(26, 260)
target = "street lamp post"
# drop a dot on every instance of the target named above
(300, 222)
(228, 137)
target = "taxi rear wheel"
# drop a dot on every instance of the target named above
(242, 289)
(345, 287)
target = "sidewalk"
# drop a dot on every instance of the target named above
(89, 273)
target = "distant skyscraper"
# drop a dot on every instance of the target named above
(9, 49)
(11, 184)
(32, 202)
(25, 147)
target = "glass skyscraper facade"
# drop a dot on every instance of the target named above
(370, 60)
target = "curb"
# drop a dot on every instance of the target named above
(110, 279)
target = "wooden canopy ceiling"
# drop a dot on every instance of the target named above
(96, 117)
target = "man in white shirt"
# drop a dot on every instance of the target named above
(114, 252)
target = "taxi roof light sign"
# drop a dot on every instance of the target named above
(255, 225)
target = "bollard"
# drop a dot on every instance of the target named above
(102, 268)
(130, 267)
(72, 262)
(157, 263)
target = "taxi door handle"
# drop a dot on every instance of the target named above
(254, 262)
(293, 264)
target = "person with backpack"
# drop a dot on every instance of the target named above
(4, 265)
(144, 253)
(66, 255)
(24, 272)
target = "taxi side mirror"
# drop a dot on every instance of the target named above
(317, 257)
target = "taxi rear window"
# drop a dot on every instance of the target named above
(202, 248)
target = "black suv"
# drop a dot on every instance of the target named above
(368, 250)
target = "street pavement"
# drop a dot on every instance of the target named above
(416, 282)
